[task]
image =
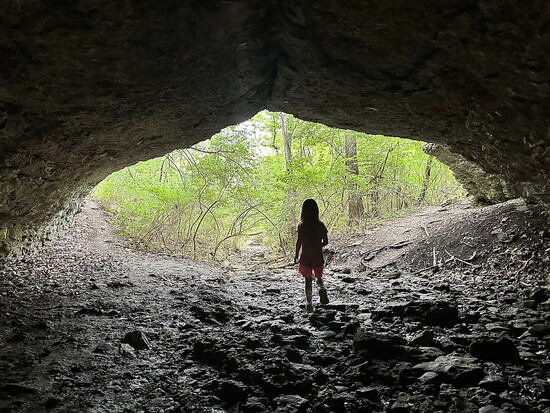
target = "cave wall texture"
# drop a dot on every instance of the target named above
(90, 86)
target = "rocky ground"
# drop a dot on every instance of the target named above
(444, 310)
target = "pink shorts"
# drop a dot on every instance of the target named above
(308, 272)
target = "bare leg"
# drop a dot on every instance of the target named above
(309, 305)
(308, 290)
(322, 291)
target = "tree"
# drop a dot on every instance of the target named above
(377, 182)
(287, 139)
(426, 181)
(355, 198)
(287, 144)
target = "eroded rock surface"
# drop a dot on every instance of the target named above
(485, 187)
(91, 86)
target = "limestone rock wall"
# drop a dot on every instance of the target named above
(90, 86)
(485, 187)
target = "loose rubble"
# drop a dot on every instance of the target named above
(88, 328)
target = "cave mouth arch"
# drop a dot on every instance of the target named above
(251, 178)
(91, 86)
(87, 88)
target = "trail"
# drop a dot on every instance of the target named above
(452, 338)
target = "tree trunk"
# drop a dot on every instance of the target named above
(376, 181)
(287, 143)
(355, 201)
(425, 182)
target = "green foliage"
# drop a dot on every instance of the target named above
(207, 201)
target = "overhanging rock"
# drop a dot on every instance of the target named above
(89, 87)
(485, 187)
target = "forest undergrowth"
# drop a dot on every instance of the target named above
(242, 189)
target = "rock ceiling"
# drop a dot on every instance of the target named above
(88, 87)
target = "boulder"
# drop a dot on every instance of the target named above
(378, 346)
(290, 403)
(231, 392)
(539, 330)
(433, 313)
(497, 351)
(463, 371)
(137, 340)
(424, 339)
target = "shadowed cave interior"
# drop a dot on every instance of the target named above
(89, 87)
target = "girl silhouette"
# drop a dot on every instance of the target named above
(312, 237)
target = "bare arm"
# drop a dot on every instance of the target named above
(298, 245)
(324, 240)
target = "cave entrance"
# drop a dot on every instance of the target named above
(240, 192)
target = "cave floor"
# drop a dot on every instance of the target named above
(400, 335)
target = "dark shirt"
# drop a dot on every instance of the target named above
(312, 249)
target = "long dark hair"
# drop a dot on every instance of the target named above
(310, 218)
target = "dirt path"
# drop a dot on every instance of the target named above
(458, 337)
